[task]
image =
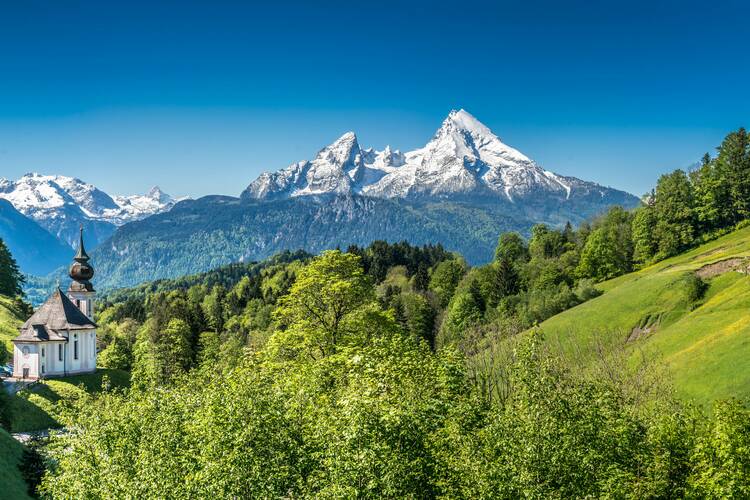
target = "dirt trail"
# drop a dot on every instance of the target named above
(739, 264)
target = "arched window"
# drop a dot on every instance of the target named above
(25, 351)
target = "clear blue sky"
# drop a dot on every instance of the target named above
(200, 97)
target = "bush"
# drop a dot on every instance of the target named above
(585, 290)
(694, 288)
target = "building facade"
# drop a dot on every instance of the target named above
(60, 337)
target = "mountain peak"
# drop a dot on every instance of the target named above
(463, 158)
(156, 194)
(465, 121)
(342, 152)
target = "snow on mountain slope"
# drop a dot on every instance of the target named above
(61, 204)
(341, 167)
(464, 157)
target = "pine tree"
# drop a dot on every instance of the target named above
(11, 279)
(421, 278)
(506, 279)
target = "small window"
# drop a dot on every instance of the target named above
(42, 351)
(75, 349)
(42, 369)
(60, 352)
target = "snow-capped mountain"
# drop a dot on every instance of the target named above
(61, 204)
(340, 168)
(464, 158)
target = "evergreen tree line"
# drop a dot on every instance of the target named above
(11, 279)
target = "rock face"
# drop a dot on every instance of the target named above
(61, 204)
(464, 159)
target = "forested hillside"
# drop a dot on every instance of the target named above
(318, 378)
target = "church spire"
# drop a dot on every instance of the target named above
(81, 271)
(81, 255)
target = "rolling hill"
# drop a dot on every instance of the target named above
(705, 344)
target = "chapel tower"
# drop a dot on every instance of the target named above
(81, 291)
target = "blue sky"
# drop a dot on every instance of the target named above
(200, 97)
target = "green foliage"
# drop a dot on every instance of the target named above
(420, 317)
(445, 279)
(161, 356)
(464, 312)
(33, 467)
(644, 241)
(608, 251)
(119, 342)
(325, 295)
(673, 205)
(733, 168)
(12, 483)
(545, 243)
(721, 457)
(511, 247)
(694, 289)
(11, 279)
(6, 415)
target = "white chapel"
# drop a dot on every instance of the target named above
(60, 337)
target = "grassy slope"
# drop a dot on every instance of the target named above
(12, 484)
(9, 323)
(36, 408)
(707, 348)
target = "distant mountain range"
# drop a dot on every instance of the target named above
(462, 189)
(463, 159)
(62, 204)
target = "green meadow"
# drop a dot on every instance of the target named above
(705, 344)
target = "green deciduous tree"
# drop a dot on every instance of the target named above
(733, 168)
(673, 210)
(445, 279)
(644, 241)
(321, 301)
(721, 459)
(511, 247)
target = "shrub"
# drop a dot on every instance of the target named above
(694, 288)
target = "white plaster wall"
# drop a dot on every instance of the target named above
(21, 361)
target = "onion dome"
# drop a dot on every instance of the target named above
(81, 271)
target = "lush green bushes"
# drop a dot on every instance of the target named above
(345, 401)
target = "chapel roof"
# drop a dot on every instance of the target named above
(57, 314)
(39, 333)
